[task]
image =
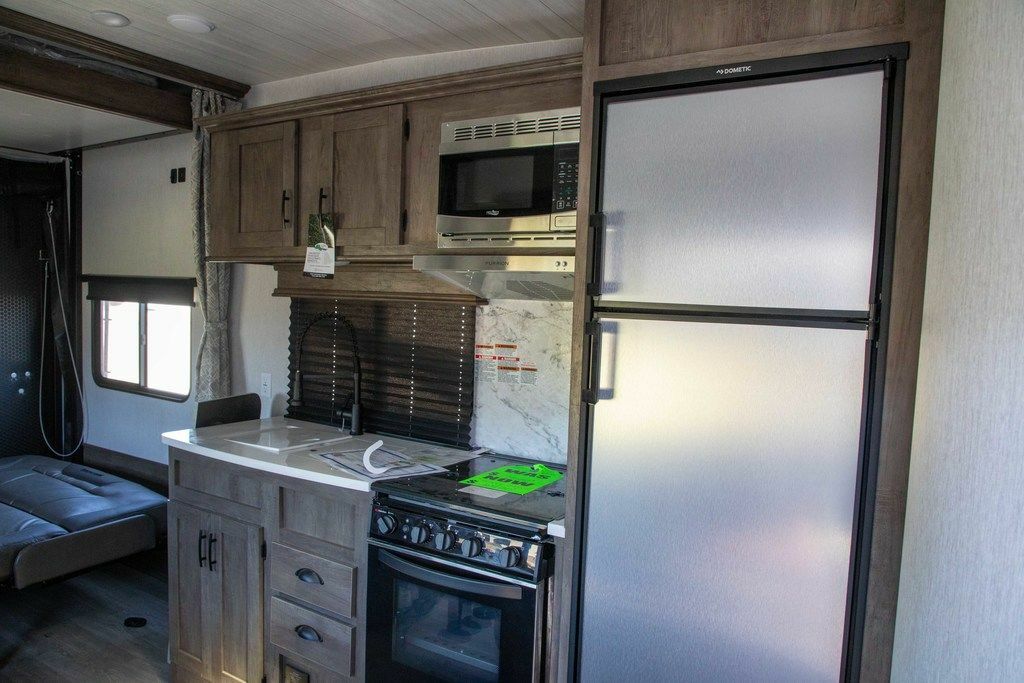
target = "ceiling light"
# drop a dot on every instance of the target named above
(108, 18)
(190, 23)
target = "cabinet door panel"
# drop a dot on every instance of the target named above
(238, 574)
(367, 148)
(191, 648)
(252, 191)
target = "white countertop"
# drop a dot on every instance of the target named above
(301, 463)
(557, 528)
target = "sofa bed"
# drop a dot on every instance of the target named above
(58, 518)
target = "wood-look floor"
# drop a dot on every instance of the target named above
(73, 631)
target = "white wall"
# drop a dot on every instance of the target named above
(259, 335)
(135, 222)
(961, 600)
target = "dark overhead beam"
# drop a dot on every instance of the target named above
(66, 83)
(26, 25)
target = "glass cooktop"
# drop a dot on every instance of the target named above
(536, 508)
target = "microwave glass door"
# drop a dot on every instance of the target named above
(497, 183)
(434, 623)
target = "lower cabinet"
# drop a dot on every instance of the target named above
(216, 596)
(267, 576)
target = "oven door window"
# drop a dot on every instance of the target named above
(444, 635)
(499, 183)
(435, 623)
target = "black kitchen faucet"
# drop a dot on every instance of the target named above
(356, 422)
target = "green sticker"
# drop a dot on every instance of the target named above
(518, 479)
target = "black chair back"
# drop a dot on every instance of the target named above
(226, 410)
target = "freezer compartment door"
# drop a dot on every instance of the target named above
(722, 479)
(761, 196)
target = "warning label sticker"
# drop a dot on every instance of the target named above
(499, 363)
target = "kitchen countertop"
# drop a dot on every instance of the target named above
(301, 463)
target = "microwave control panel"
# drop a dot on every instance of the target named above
(566, 178)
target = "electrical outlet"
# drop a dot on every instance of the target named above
(265, 390)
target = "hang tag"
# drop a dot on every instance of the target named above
(320, 256)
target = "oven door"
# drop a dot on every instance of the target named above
(430, 622)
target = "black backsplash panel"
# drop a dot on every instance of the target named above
(417, 366)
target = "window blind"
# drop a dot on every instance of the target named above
(417, 366)
(144, 290)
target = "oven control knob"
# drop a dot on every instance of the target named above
(444, 540)
(471, 547)
(419, 533)
(386, 523)
(510, 557)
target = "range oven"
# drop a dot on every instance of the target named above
(509, 180)
(453, 599)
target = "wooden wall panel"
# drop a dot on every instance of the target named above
(633, 31)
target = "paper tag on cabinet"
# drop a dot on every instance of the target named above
(320, 261)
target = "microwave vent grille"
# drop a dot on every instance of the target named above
(518, 127)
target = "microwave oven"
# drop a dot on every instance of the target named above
(509, 180)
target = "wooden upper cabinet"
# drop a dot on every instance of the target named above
(638, 30)
(425, 119)
(252, 192)
(351, 166)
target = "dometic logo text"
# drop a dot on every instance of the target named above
(732, 70)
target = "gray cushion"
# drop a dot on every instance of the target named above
(17, 530)
(72, 496)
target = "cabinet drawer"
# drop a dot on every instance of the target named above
(216, 486)
(313, 579)
(327, 641)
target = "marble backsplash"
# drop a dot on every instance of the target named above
(521, 404)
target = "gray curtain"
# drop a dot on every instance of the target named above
(213, 366)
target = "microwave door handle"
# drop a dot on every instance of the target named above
(494, 590)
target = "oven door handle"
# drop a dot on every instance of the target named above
(437, 578)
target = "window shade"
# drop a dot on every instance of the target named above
(417, 366)
(144, 290)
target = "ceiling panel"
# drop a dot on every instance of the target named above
(257, 41)
(41, 125)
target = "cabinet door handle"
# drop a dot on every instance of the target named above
(209, 550)
(284, 207)
(307, 575)
(320, 201)
(202, 558)
(308, 633)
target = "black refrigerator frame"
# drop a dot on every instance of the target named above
(891, 59)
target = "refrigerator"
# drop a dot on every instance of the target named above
(737, 314)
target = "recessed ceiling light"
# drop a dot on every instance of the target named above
(190, 23)
(108, 18)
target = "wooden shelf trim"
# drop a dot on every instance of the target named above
(505, 76)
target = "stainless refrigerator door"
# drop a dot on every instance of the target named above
(759, 196)
(723, 472)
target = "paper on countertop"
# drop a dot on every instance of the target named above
(394, 463)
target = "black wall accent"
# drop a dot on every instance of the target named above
(417, 365)
(24, 190)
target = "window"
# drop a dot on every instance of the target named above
(142, 335)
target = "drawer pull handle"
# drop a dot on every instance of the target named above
(308, 633)
(307, 575)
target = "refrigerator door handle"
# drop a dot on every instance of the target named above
(593, 387)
